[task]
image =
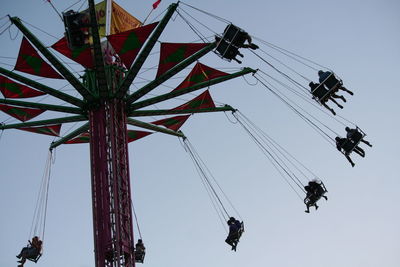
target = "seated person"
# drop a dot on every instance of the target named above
(226, 50)
(140, 251)
(234, 232)
(32, 251)
(322, 94)
(238, 37)
(348, 147)
(355, 136)
(314, 191)
(330, 81)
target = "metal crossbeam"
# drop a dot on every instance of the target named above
(43, 122)
(41, 106)
(198, 86)
(43, 88)
(143, 113)
(124, 87)
(53, 60)
(153, 127)
(153, 84)
(71, 135)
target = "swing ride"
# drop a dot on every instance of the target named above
(113, 95)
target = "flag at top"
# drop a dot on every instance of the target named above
(156, 3)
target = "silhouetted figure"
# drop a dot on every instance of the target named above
(330, 81)
(140, 251)
(234, 232)
(314, 191)
(347, 146)
(228, 51)
(322, 94)
(32, 251)
(356, 136)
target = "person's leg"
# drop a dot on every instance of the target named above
(366, 142)
(330, 109)
(338, 96)
(351, 162)
(334, 101)
(346, 90)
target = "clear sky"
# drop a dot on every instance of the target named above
(357, 227)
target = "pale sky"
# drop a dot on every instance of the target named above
(357, 227)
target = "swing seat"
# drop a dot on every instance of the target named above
(226, 50)
(312, 200)
(232, 39)
(139, 257)
(34, 258)
(332, 84)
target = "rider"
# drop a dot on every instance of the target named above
(31, 251)
(233, 235)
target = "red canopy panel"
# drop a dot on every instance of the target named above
(82, 55)
(29, 61)
(172, 54)
(53, 130)
(11, 89)
(200, 73)
(128, 44)
(134, 135)
(173, 123)
(22, 114)
(204, 100)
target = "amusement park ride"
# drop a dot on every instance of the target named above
(106, 107)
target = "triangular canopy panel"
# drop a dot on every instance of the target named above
(128, 44)
(53, 130)
(204, 100)
(200, 73)
(29, 61)
(173, 123)
(172, 54)
(11, 89)
(22, 114)
(82, 55)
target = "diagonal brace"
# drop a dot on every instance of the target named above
(43, 88)
(143, 113)
(73, 134)
(153, 127)
(144, 90)
(41, 106)
(43, 122)
(53, 60)
(198, 86)
(123, 89)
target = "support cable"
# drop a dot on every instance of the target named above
(136, 219)
(204, 174)
(38, 225)
(277, 165)
(213, 200)
(292, 55)
(311, 123)
(197, 32)
(207, 13)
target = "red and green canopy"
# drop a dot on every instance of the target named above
(81, 55)
(200, 73)
(173, 123)
(53, 130)
(11, 89)
(29, 61)
(22, 114)
(128, 44)
(204, 100)
(172, 54)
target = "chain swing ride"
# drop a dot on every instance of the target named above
(112, 95)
